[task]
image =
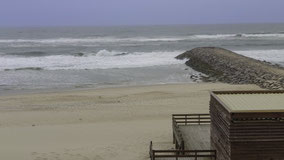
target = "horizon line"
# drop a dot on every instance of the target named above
(137, 25)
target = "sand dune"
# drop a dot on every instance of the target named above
(97, 124)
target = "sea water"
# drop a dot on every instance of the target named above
(79, 57)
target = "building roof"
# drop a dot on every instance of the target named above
(263, 101)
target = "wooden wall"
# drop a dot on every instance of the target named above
(246, 136)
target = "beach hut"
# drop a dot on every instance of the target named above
(247, 125)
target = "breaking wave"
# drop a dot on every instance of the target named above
(103, 59)
(26, 68)
(93, 41)
(273, 56)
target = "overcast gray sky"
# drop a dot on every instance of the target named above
(138, 12)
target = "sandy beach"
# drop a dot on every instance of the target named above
(97, 124)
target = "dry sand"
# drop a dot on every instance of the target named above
(97, 124)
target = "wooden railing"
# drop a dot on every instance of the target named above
(177, 137)
(155, 154)
(180, 152)
(186, 119)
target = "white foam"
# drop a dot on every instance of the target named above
(280, 35)
(166, 39)
(87, 41)
(274, 56)
(104, 52)
(215, 36)
(93, 41)
(102, 60)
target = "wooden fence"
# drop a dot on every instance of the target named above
(187, 119)
(177, 154)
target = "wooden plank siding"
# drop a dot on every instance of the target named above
(246, 135)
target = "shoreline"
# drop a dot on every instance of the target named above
(70, 89)
(98, 124)
(97, 78)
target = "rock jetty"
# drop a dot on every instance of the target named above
(226, 66)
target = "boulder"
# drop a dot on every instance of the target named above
(226, 66)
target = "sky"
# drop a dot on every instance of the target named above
(138, 12)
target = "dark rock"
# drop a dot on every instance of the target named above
(226, 66)
(121, 54)
(238, 35)
(79, 54)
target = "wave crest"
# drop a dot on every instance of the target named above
(25, 68)
(103, 59)
(273, 56)
(93, 41)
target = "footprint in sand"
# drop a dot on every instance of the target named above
(34, 153)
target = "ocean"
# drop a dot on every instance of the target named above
(89, 57)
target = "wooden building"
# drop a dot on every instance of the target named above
(247, 125)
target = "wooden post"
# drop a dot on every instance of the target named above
(174, 138)
(176, 144)
(173, 127)
(176, 155)
(151, 150)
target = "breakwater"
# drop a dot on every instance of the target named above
(229, 67)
